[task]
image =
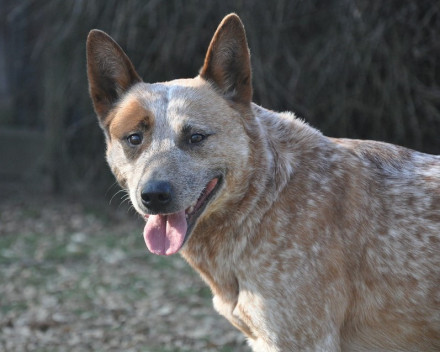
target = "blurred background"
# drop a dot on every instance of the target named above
(351, 68)
(359, 69)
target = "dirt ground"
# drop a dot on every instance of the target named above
(76, 277)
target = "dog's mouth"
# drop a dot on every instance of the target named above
(165, 234)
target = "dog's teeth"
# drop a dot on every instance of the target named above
(190, 209)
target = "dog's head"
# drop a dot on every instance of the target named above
(175, 146)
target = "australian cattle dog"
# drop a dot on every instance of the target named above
(308, 243)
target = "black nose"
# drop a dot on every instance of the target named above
(156, 194)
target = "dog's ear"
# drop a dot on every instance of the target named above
(227, 62)
(109, 70)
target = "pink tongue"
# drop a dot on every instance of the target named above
(164, 234)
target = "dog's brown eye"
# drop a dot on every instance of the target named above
(196, 138)
(134, 139)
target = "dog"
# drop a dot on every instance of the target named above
(308, 243)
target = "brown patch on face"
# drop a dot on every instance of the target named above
(130, 117)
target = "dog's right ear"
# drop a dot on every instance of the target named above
(109, 70)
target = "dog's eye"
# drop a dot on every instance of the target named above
(134, 139)
(196, 138)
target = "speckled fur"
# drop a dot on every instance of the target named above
(312, 243)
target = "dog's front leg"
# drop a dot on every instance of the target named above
(329, 343)
(227, 310)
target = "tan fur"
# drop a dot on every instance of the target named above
(131, 116)
(311, 243)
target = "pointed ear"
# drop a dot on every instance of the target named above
(227, 62)
(109, 70)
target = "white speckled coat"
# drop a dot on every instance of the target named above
(308, 243)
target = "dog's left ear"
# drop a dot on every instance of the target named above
(227, 62)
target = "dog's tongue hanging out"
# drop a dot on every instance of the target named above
(164, 234)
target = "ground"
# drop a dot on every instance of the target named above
(75, 278)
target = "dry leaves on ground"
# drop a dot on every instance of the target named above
(72, 279)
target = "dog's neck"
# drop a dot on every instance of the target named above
(277, 143)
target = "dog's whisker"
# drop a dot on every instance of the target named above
(125, 199)
(119, 192)
(114, 184)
